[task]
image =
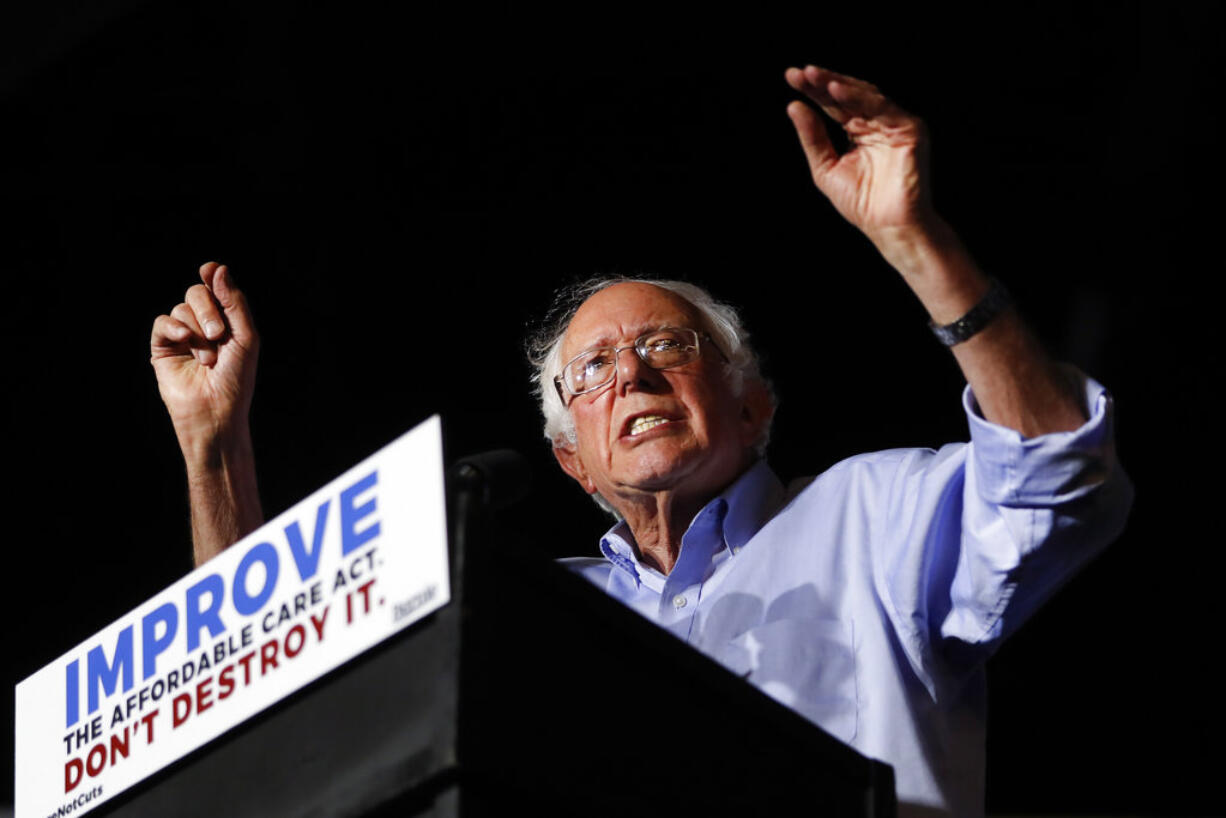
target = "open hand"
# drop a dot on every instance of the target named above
(880, 183)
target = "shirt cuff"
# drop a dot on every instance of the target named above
(1047, 470)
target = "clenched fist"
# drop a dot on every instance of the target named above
(204, 354)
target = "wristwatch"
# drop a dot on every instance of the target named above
(979, 316)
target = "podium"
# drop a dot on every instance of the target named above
(531, 691)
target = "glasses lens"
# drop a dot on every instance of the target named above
(669, 347)
(590, 370)
(660, 349)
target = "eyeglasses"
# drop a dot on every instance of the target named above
(660, 349)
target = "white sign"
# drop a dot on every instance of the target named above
(350, 565)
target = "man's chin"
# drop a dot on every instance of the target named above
(668, 475)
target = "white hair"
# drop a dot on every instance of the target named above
(545, 350)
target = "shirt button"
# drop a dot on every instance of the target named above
(736, 550)
(679, 601)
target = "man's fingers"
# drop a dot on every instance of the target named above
(169, 337)
(844, 98)
(200, 347)
(185, 315)
(814, 139)
(817, 92)
(861, 102)
(218, 279)
(207, 270)
(207, 311)
(234, 303)
(817, 75)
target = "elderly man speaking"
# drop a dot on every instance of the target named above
(868, 598)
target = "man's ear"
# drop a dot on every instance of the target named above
(757, 408)
(571, 463)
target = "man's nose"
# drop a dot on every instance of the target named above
(633, 372)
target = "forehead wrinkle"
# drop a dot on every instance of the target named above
(683, 314)
(631, 334)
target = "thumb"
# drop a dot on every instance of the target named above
(234, 305)
(816, 142)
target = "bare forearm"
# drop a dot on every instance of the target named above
(880, 186)
(1014, 381)
(222, 490)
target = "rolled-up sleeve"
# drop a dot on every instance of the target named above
(1034, 510)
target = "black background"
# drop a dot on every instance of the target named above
(400, 192)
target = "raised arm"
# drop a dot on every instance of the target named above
(880, 185)
(204, 354)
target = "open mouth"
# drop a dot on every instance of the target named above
(645, 423)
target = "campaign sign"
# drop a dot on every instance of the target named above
(350, 565)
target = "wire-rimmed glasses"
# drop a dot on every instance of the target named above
(662, 348)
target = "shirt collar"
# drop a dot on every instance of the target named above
(739, 512)
(752, 500)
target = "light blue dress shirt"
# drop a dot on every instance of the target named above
(866, 599)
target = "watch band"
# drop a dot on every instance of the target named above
(993, 303)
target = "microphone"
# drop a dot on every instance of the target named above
(498, 478)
